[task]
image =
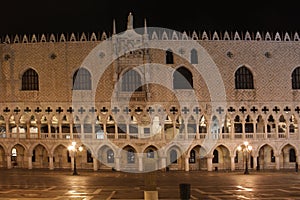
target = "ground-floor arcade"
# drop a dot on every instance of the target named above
(140, 157)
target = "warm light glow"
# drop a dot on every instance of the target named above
(239, 148)
(246, 143)
(80, 148)
(249, 147)
(71, 148)
(74, 143)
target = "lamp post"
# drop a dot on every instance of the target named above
(245, 148)
(73, 149)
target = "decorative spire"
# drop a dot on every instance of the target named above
(145, 27)
(130, 22)
(114, 27)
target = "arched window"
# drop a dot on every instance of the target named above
(194, 56)
(130, 156)
(292, 155)
(243, 78)
(82, 80)
(14, 154)
(110, 156)
(236, 158)
(192, 158)
(272, 156)
(30, 80)
(182, 79)
(296, 79)
(89, 157)
(131, 81)
(216, 157)
(169, 57)
(150, 153)
(173, 156)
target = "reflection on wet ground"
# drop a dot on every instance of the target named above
(88, 185)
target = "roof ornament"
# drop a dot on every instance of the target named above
(130, 22)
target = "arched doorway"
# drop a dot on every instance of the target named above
(40, 158)
(150, 159)
(221, 158)
(3, 162)
(18, 157)
(197, 159)
(266, 157)
(61, 157)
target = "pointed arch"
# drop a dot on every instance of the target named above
(182, 79)
(30, 80)
(131, 81)
(296, 79)
(82, 79)
(243, 78)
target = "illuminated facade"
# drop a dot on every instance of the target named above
(156, 105)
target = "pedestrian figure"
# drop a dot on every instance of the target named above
(296, 166)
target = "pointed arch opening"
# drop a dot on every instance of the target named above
(30, 80)
(82, 79)
(182, 78)
(243, 78)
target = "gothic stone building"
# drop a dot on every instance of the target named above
(150, 98)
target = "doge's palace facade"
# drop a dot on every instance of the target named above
(150, 99)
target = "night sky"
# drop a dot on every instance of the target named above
(61, 16)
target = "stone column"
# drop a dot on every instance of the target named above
(254, 162)
(8, 133)
(243, 129)
(197, 131)
(117, 160)
(277, 161)
(186, 163)
(163, 162)
(60, 130)
(95, 164)
(49, 130)
(266, 130)
(29, 161)
(51, 164)
(254, 130)
(71, 130)
(209, 163)
(8, 160)
(140, 161)
(232, 163)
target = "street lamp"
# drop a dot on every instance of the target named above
(247, 149)
(74, 150)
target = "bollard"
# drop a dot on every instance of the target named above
(185, 191)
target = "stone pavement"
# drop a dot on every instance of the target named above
(20, 184)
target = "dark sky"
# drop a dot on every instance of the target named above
(58, 16)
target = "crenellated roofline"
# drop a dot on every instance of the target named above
(153, 33)
(165, 35)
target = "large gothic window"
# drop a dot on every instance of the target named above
(296, 79)
(130, 156)
(82, 80)
(131, 81)
(30, 80)
(243, 78)
(110, 156)
(182, 79)
(173, 156)
(169, 57)
(216, 156)
(292, 155)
